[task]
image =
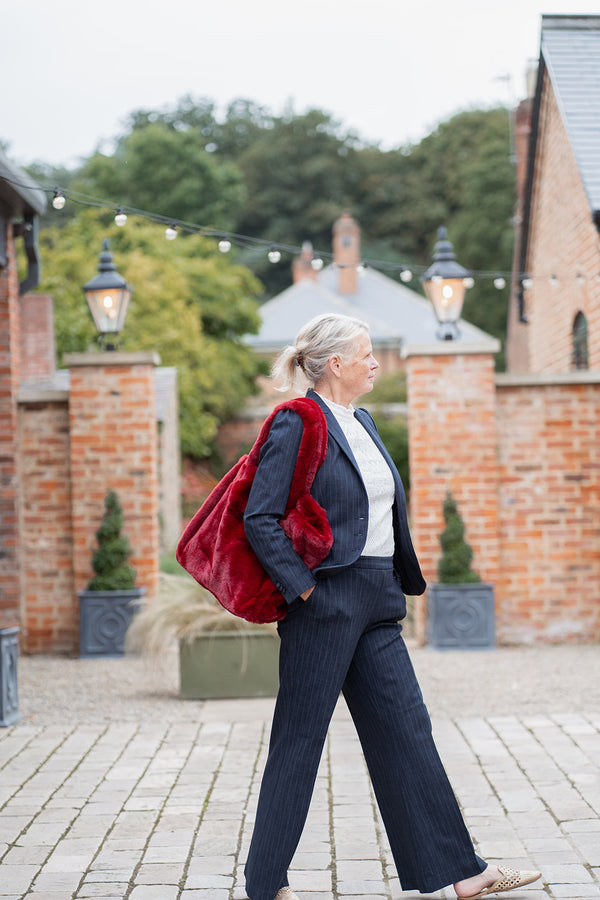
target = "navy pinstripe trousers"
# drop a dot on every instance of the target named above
(346, 637)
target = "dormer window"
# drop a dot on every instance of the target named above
(580, 342)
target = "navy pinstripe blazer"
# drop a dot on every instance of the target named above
(338, 487)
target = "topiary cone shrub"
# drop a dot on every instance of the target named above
(454, 566)
(113, 572)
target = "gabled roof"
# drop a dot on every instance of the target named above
(570, 47)
(396, 315)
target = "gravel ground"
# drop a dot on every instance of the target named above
(507, 681)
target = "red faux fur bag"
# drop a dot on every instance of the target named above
(214, 548)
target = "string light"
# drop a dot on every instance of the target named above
(226, 240)
(59, 200)
(469, 282)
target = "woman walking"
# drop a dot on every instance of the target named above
(341, 633)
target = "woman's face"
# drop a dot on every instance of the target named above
(357, 373)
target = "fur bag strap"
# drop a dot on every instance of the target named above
(313, 445)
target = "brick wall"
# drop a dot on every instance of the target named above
(114, 445)
(50, 618)
(563, 240)
(549, 508)
(521, 456)
(517, 338)
(10, 567)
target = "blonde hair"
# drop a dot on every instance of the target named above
(324, 336)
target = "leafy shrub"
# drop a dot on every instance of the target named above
(113, 572)
(454, 566)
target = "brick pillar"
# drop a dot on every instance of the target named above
(10, 562)
(114, 444)
(37, 342)
(453, 446)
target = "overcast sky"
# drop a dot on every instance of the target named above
(388, 69)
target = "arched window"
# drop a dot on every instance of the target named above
(580, 342)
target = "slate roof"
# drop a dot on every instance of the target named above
(570, 48)
(396, 315)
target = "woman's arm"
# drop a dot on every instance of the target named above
(267, 504)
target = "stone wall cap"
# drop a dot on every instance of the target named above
(41, 395)
(111, 358)
(529, 379)
(451, 348)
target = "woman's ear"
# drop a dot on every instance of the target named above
(334, 365)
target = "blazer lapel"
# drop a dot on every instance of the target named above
(334, 429)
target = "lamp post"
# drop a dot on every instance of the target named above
(108, 297)
(444, 284)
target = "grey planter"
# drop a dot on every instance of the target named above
(9, 694)
(104, 617)
(225, 664)
(461, 616)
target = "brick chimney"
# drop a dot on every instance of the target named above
(302, 265)
(346, 252)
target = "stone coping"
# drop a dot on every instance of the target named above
(42, 395)
(532, 379)
(111, 358)
(451, 348)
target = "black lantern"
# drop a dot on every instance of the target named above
(108, 297)
(445, 286)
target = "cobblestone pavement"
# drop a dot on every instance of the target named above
(111, 787)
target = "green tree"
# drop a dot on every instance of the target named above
(189, 303)
(287, 178)
(159, 169)
(300, 174)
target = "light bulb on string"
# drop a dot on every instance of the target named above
(580, 279)
(553, 281)
(316, 263)
(469, 282)
(224, 246)
(527, 283)
(361, 269)
(171, 233)
(499, 282)
(406, 275)
(59, 200)
(274, 255)
(120, 218)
